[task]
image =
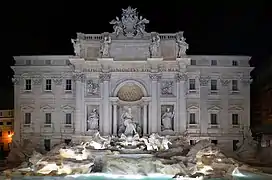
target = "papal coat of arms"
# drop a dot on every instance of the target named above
(130, 24)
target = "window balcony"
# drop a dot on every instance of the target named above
(193, 128)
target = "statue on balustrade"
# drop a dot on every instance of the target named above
(167, 120)
(154, 45)
(77, 46)
(128, 126)
(182, 45)
(93, 121)
(105, 46)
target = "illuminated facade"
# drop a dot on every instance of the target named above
(6, 129)
(59, 98)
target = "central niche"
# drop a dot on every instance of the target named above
(130, 92)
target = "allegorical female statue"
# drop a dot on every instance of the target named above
(154, 46)
(105, 47)
(93, 120)
(130, 126)
(167, 119)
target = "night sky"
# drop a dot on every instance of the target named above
(218, 27)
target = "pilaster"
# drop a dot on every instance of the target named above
(204, 116)
(225, 116)
(18, 118)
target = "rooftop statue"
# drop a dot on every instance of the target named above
(130, 25)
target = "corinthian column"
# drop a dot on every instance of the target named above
(78, 78)
(153, 123)
(180, 122)
(105, 123)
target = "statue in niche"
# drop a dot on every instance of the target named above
(182, 45)
(117, 26)
(92, 88)
(105, 46)
(128, 127)
(93, 121)
(154, 45)
(77, 46)
(167, 88)
(167, 119)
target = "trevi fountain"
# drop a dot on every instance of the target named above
(133, 150)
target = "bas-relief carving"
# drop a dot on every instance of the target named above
(154, 47)
(92, 118)
(105, 47)
(93, 88)
(57, 80)
(204, 80)
(181, 44)
(37, 80)
(128, 125)
(130, 25)
(167, 87)
(167, 118)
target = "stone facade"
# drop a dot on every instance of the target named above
(59, 98)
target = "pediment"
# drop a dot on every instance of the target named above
(214, 108)
(236, 108)
(47, 108)
(27, 108)
(67, 108)
(192, 107)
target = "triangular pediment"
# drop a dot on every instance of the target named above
(67, 107)
(27, 108)
(236, 108)
(47, 107)
(214, 108)
(192, 107)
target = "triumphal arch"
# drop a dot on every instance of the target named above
(130, 80)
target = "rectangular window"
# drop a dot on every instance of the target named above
(234, 63)
(67, 141)
(213, 85)
(68, 118)
(235, 120)
(1, 134)
(28, 84)
(1, 123)
(192, 119)
(27, 118)
(48, 84)
(68, 86)
(214, 62)
(9, 123)
(193, 62)
(234, 85)
(47, 144)
(192, 85)
(8, 132)
(214, 119)
(47, 118)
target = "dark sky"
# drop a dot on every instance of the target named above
(210, 27)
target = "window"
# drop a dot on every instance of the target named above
(28, 84)
(192, 142)
(235, 120)
(68, 86)
(27, 118)
(8, 132)
(214, 142)
(234, 85)
(234, 63)
(47, 62)
(47, 144)
(68, 118)
(1, 134)
(47, 118)
(213, 85)
(213, 119)
(28, 62)
(193, 62)
(1, 114)
(48, 84)
(192, 84)
(67, 141)
(1, 123)
(192, 119)
(9, 123)
(214, 62)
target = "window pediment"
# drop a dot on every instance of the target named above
(67, 109)
(191, 108)
(47, 108)
(214, 108)
(235, 108)
(27, 108)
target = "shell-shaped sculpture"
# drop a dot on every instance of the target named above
(130, 92)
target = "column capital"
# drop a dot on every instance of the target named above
(78, 76)
(105, 77)
(224, 82)
(57, 80)
(204, 80)
(181, 77)
(155, 76)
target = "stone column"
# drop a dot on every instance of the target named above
(155, 118)
(145, 119)
(180, 122)
(106, 124)
(78, 77)
(114, 118)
